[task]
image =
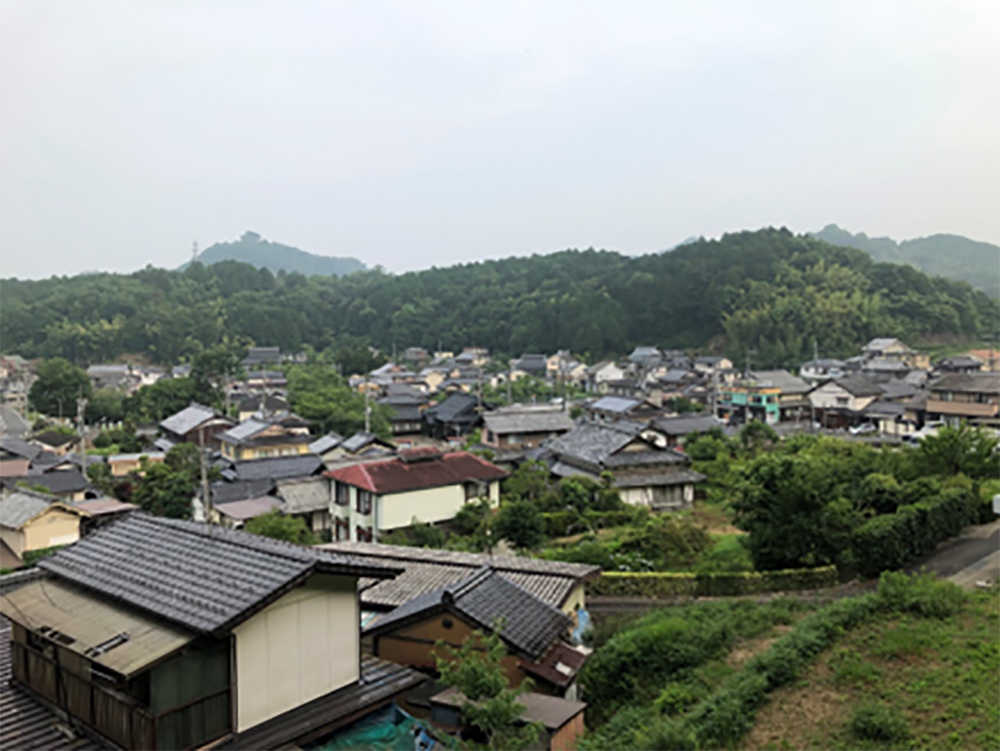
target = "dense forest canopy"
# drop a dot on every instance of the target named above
(951, 256)
(769, 290)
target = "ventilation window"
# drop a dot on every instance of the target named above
(107, 646)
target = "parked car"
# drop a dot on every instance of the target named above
(863, 429)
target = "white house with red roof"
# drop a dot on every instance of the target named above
(422, 484)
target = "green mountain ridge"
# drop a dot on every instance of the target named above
(767, 290)
(253, 249)
(950, 256)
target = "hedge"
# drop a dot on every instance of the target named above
(656, 585)
(891, 541)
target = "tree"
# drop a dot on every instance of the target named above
(963, 450)
(277, 526)
(153, 403)
(58, 386)
(100, 476)
(521, 524)
(320, 395)
(211, 369)
(489, 704)
(167, 488)
(105, 405)
(125, 439)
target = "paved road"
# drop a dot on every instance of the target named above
(960, 553)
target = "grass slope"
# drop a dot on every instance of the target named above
(937, 680)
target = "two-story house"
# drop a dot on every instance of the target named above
(524, 426)
(842, 401)
(195, 424)
(420, 484)
(974, 397)
(154, 633)
(260, 439)
(33, 521)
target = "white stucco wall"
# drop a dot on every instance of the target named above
(431, 505)
(301, 647)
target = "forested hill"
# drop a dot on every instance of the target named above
(951, 256)
(253, 249)
(769, 289)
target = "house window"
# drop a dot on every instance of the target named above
(364, 502)
(343, 496)
(476, 489)
(364, 534)
(842, 401)
(342, 529)
(490, 437)
(947, 396)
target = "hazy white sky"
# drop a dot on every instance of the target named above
(419, 133)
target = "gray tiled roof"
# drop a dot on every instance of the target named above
(278, 467)
(241, 490)
(969, 383)
(859, 386)
(188, 419)
(305, 496)
(203, 577)
(244, 430)
(659, 479)
(456, 406)
(18, 508)
(428, 569)
(325, 443)
(594, 442)
(529, 624)
(782, 379)
(617, 404)
(358, 441)
(20, 448)
(61, 481)
(528, 421)
(12, 424)
(686, 424)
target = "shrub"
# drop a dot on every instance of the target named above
(921, 594)
(657, 585)
(879, 723)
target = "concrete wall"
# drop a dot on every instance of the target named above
(301, 647)
(54, 527)
(431, 505)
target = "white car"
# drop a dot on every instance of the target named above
(863, 429)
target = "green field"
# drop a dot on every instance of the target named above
(928, 684)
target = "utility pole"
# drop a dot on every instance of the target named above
(194, 251)
(715, 391)
(812, 407)
(81, 406)
(368, 409)
(206, 496)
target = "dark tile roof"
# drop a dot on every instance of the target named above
(326, 442)
(61, 481)
(12, 424)
(594, 442)
(859, 386)
(560, 665)
(278, 467)
(528, 421)
(458, 407)
(427, 569)
(269, 402)
(54, 438)
(686, 424)
(360, 440)
(241, 490)
(616, 404)
(528, 624)
(17, 447)
(203, 577)
(400, 475)
(26, 724)
(17, 509)
(968, 383)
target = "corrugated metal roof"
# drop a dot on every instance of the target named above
(92, 621)
(25, 724)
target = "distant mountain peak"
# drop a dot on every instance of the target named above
(947, 255)
(252, 248)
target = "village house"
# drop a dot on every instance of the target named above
(264, 406)
(55, 441)
(360, 446)
(677, 429)
(746, 399)
(196, 424)
(308, 499)
(64, 484)
(599, 375)
(33, 521)
(458, 415)
(154, 633)
(990, 359)
(535, 634)
(259, 439)
(793, 393)
(646, 471)
(125, 464)
(523, 426)
(840, 402)
(237, 513)
(612, 408)
(421, 484)
(709, 364)
(974, 397)
(819, 371)
(888, 348)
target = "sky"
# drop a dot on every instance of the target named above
(421, 133)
